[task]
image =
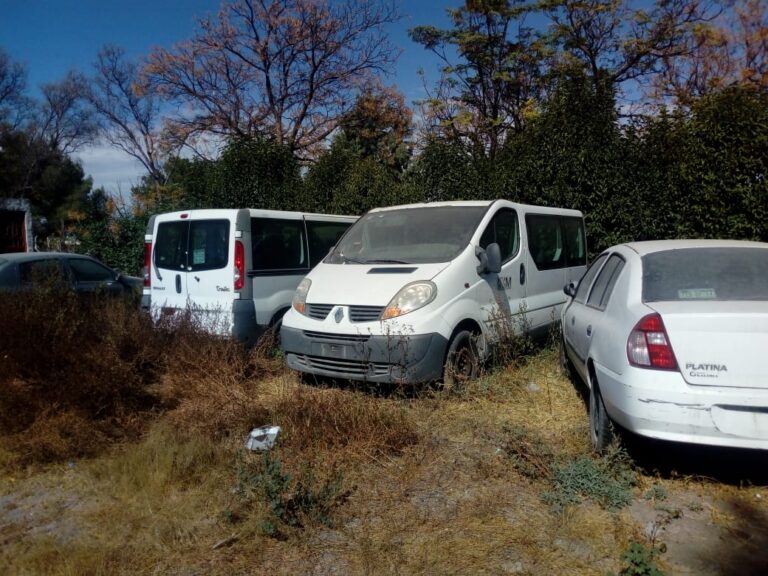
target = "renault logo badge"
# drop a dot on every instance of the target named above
(339, 314)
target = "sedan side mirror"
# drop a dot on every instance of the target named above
(570, 289)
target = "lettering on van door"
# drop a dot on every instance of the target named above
(504, 282)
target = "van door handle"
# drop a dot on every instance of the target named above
(178, 283)
(522, 274)
(589, 330)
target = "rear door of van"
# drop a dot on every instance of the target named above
(211, 270)
(193, 265)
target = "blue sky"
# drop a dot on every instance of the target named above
(54, 36)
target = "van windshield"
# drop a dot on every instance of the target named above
(408, 236)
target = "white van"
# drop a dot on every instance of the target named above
(236, 270)
(413, 293)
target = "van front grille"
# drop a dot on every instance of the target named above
(319, 311)
(365, 313)
(336, 337)
(354, 368)
(356, 313)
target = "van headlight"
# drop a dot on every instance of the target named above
(410, 297)
(300, 296)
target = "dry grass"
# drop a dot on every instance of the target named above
(429, 484)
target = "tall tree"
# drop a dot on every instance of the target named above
(283, 68)
(13, 82)
(378, 126)
(64, 119)
(731, 49)
(129, 109)
(490, 72)
(616, 41)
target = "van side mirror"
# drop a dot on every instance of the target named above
(490, 259)
(570, 289)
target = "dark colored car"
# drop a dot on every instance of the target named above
(25, 270)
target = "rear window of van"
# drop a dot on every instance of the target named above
(193, 246)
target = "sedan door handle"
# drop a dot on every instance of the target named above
(589, 330)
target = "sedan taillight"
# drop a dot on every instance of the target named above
(648, 345)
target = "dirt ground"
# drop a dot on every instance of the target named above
(452, 503)
(706, 526)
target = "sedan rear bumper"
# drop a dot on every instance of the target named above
(660, 404)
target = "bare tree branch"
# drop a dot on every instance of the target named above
(285, 68)
(129, 109)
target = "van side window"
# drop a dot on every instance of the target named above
(278, 244)
(208, 244)
(322, 237)
(575, 241)
(545, 241)
(505, 231)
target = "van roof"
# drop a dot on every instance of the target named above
(486, 203)
(229, 212)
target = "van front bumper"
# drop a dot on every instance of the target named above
(371, 358)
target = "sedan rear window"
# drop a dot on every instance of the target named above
(706, 274)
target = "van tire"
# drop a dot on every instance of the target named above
(600, 426)
(462, 362)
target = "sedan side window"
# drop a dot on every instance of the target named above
(40, 272)
(586, 280)
(90, 271)
(601, 292)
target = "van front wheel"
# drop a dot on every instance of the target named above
(461, 362)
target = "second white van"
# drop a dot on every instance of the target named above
(419, 292)
(235, 270)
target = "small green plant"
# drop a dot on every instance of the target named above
(640, 560)
(607, 481)
(290, 502)
(656, 493)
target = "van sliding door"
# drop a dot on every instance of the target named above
(556, 252)
(280, 259)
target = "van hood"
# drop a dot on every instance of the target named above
(365, 284)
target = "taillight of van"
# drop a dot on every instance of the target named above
(239, 270)
(147, 264)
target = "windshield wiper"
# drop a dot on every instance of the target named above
(345, 259)
(385, 261)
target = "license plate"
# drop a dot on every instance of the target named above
(330, 350)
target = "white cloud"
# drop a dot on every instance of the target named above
(111, 168)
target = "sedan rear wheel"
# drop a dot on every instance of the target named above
(600, 426)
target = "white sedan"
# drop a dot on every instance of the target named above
(671, 338)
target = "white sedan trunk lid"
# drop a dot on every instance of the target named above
(719, 343)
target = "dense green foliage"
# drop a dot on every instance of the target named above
(699, 173)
